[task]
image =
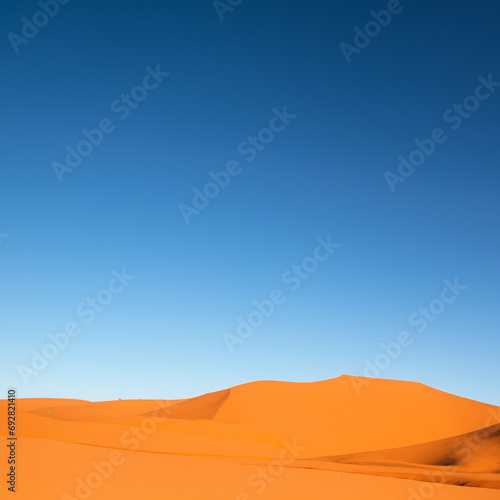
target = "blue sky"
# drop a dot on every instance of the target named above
(321, 173)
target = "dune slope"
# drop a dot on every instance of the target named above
(264, 439)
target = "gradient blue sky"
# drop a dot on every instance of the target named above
(323, 175)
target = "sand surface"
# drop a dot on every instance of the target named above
(335, 439)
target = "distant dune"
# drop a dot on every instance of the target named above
(269, 440)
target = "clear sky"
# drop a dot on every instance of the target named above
(305, 115)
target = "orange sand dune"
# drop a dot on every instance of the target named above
(270, 440)
(82, 411)
(471, 459)
(477, 451)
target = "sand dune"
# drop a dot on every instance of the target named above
(477, 451)
(471, 459)
(275, 440)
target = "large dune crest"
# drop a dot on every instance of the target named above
(263, 439)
